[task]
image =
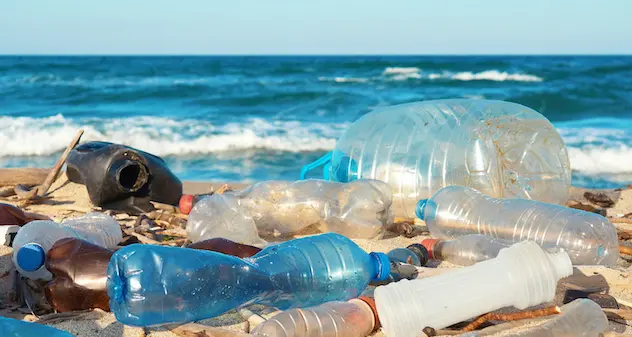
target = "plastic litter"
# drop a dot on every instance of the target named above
(10, 327)
(122, 178)
(359, 209)
(501, 148)
(580, 318)
(454, 211)
(355, 318)
(465, 250)
(522, 275)
(414, 254)
(225, 246)
(79, 270)
(152, 285)
(36, 238)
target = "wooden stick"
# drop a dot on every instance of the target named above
(23, 175)
(7, 191)
(515, 316)
(620, 220)
(199, 330)
(54, 173)
(625, 250)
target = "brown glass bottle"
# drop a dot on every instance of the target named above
(13, 216)
(79, 275)
(226, 246)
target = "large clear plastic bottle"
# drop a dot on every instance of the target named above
(588, 238)
(153, 285)
(501, 148)
(465, 250)
(359, 209)
(10, 327)
(522, 275)
(36, 238)
(354, 318)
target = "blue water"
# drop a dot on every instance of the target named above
(254, 118)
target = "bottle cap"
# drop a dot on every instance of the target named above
(421, 206)
(383, 265)
(186, 203)
(429, 245)
(31, 257)
(421, 251)
(371, 303)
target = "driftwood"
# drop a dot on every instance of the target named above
(514, 316)
(25, 176)
(199, 330)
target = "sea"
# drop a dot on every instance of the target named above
(250, 118)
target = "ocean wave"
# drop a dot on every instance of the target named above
(30, 80)
(344, 79)
(400, 70)
(494, 75)
(25, 136)
(601, 160)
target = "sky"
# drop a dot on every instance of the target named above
(315, 27)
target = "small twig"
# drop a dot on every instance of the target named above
(620, 220)
(199, 330)
(61, 316)
(224, 188)
(165, 207)
(625, 250)
(54, 173)
(7, 191)
(144, 239)
(515, 316)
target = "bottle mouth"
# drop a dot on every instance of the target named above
(421, 252)
(31, 257)
(382, 266)
(132, 176)
(421, 207)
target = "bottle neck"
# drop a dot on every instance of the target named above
(381, 266)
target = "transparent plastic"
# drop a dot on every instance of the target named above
(501, 148)
(522, 275)
(468, 249)
(359, 209)
(333, 319)
(580, 318)
(152, 285)
(589, 238)
(10, 327)
(96, 228)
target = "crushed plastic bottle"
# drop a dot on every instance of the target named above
(355, 318)
(414, 254)
(180, 285)
(79, 270)
(10, 327)
(465, 250)
(36, 238)
(588, 238)
(225, 246)
(359, 209)
(501, 148)
(522, 275)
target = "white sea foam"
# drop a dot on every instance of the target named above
(25, 136)
(400, 70)
(343, 79)
(405, 73)
(600, 160)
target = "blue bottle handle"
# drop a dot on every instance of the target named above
(324, 160)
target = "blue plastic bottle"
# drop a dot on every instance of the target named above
(152, 285)
(10, 327)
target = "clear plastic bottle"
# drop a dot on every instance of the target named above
(501, 148)
(180, 285)
(522, 275)
(354, 318)
(359, 209)
(10, 327)
(465, 250)
(36, 238)
(588, 238)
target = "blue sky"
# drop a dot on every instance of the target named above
(315, 27)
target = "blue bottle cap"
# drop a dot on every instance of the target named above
(421, 206)
(383, 266)
(31, 257)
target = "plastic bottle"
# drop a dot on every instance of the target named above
(522, 275)
(501, 148)
(454, 211)
(225, 246)
(414, 254)
(180, 285)
(465, 250)
(10, 327)
(79, 270)
(359, 209)
(355, 318)
(37, 237)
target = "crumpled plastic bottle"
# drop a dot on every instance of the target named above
(359, 209)
(152, 285)
(10, 327)
(501, 148)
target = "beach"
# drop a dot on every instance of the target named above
(69, 200)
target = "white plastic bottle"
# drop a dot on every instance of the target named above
(501, 148)
(465, 250)
(37, 237)
(588, 238)
(354, 318)
(522, 275)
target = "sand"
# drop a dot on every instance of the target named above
(69, 200)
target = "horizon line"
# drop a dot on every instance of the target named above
(305, 55)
